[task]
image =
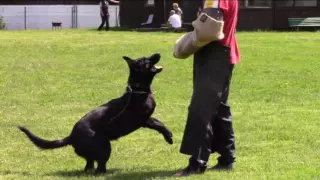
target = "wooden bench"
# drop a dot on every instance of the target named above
(188, 25)
(147, 29)
(56, 25)
(169, 29)
(304, 22)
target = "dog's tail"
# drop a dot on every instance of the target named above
(45, 144)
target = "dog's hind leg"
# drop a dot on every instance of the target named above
(102, 166)
(157, 125)
(86, 155)
(102, 154)
(89, 165)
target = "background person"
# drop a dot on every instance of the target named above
(174, 20)
(104, 13)
(177, 9)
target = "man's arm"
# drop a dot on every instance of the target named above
(101, 11)
(180, 11)
(113, 1)
(169, 20)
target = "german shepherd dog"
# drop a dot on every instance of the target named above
(91, 135)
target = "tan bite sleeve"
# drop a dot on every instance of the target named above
(206, 30)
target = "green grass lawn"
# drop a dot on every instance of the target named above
(50, 79)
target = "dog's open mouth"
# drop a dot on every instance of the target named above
(156, 68)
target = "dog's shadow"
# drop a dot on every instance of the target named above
(143, 175)
(115, 174)
(76, 173)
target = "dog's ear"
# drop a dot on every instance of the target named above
(155, 55)
(129, 60)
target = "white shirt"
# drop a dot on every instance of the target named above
(175, 21)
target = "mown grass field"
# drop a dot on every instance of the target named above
(50, 79)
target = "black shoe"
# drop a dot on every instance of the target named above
(194, 167)
(219, 167)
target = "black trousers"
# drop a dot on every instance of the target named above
(209, 123)
(104, 20)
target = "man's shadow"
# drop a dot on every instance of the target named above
(115, 174)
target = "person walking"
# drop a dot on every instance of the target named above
(104, 13)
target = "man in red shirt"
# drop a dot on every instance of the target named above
(209, 124)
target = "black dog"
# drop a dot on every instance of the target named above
(91, 135)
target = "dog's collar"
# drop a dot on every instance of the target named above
(137, 89)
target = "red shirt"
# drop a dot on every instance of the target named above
(230, 17)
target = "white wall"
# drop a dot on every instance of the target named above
(14, 15)
(41, 17)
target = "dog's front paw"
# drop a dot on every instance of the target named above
(168, 137)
